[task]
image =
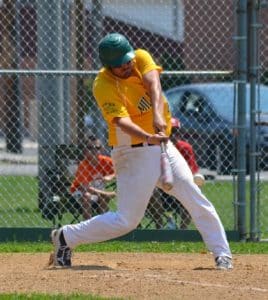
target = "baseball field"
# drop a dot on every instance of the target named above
(127, 270)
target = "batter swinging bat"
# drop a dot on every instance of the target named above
(166, 171)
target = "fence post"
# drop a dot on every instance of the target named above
(97, 18)
(97, 31)
(79, 9)
(49, 93)
(13, 101)
(241, 121)
(253, 71)
(66, 50)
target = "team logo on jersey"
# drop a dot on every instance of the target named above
(144, 105)
(109, 108)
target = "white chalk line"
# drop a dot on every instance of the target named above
(204, 284)
(129, 277)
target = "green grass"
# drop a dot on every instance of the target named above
(19, 203)
(122, 246)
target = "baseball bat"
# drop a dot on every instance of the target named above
(166, 171)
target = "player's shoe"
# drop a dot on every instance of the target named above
(62, 253)
(223, 263)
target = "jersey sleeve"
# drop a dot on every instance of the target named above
(145, 62)
(109, 101)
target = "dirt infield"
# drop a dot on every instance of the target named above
(138, 276)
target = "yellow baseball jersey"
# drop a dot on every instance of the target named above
(118, 97)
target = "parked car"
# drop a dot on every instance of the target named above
(207, 114)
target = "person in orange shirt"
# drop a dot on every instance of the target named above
(89, 183)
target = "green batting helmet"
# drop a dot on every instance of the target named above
(115, 50)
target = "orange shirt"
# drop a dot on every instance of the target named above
(87, 172)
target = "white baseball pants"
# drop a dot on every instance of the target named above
(138, 172)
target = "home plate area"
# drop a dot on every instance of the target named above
(137, 276)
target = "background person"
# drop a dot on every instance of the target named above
(129, 94)
(90, 179)
(187, 152)
(184, 147)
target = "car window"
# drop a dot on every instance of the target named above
(222, 100)
(263, 100)
(218, 99)
(192, 103)
(174, 99)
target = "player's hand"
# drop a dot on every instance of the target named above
(108, 178)
(157, 138)
(159, 123)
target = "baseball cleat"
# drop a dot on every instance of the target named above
(223, 263)
(61, 257)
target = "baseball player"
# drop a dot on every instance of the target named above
(129, 94)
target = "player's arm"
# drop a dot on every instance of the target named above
(151, 81)
(133, 129)
(99, 192)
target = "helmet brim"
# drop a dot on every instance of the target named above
(123, 60)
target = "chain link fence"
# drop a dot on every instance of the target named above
(48, 115)
(261, 25)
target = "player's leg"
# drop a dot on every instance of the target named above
(200, 208)
(137, 174)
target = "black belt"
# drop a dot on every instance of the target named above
(139, 145)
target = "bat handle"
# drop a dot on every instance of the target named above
(163, 147)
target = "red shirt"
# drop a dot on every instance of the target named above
(187, 152)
